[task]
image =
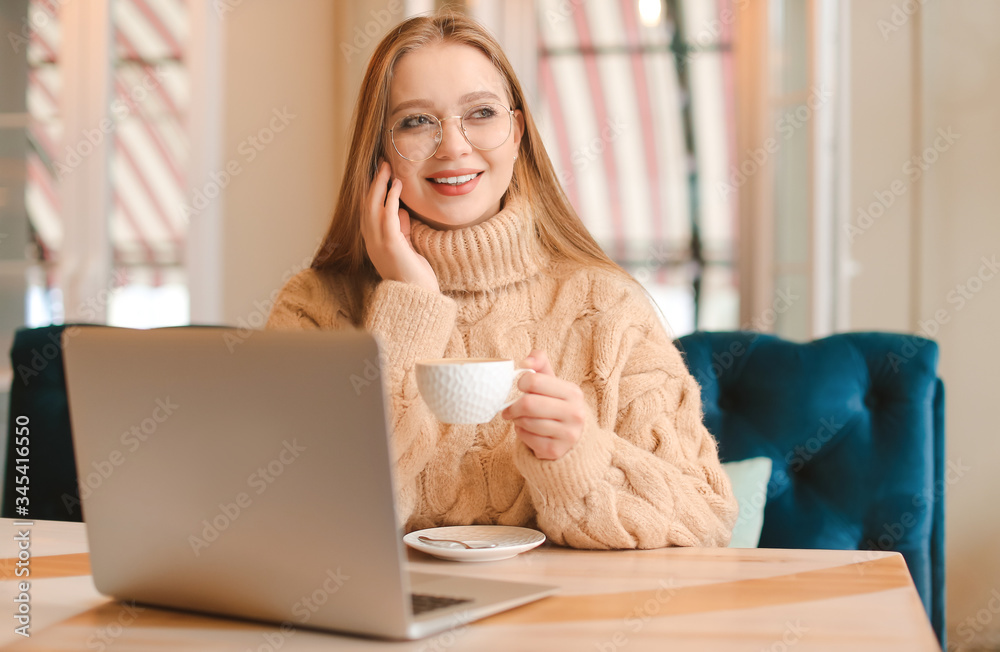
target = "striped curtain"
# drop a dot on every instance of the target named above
(637, 115)
(150, 154)
(45, 128)
(147, 112)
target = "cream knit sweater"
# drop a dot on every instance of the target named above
(644, 474)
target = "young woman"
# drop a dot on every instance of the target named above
(452, 238)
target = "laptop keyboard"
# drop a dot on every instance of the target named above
(422, 602)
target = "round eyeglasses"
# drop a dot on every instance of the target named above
(416, 137)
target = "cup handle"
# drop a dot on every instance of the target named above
(517, 374)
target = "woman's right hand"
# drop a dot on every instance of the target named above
(386, 232)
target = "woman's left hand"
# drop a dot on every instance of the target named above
(549, 418)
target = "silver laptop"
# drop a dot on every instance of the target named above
(248, 474)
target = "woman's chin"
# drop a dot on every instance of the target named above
(449, 222)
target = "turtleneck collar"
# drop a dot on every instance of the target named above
(490, 255)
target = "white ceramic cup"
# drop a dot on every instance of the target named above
(466, 390)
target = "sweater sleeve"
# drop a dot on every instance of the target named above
(409, 323)
(645, 473)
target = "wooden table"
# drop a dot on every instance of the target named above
(675, 599)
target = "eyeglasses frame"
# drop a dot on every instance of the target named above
(510, 129)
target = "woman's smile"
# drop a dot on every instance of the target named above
(455, 182)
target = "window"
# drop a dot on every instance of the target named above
(136, 140)
(44, 135)
(790, 168)
(636, 101)
(148, 179)
(677, 127)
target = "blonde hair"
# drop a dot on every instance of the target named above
(560, 230)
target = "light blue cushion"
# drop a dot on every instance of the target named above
(749, 479)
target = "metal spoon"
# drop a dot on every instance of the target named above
(461, 543)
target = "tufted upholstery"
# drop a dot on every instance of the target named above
(854, 424)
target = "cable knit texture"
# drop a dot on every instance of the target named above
(644, 474)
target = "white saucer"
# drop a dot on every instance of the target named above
(510, 541)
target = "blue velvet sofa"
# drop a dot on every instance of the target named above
(853, 424)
